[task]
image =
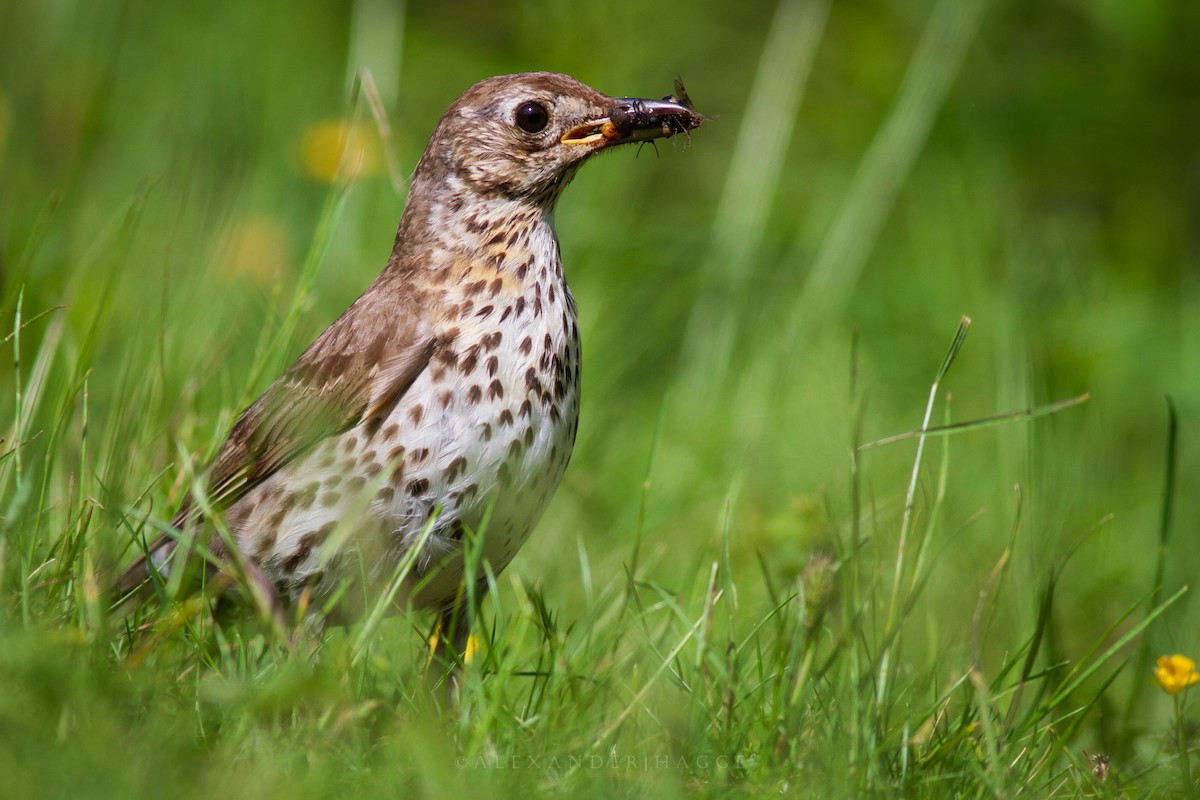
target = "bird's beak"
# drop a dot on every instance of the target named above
(634, 120)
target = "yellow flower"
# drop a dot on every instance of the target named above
(1175, 673)
(323, 144)
(256, 249)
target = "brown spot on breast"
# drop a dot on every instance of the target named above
(266, 541)
(526, 346)
(470, 360)
(528, 436)
(485, 312)
(396, 454)
(493, 364)
(306, 496)
(308, 542)
(475, 287)
(496, 286)
(474, 394)
(350, 444)
(397, 476)
(419, 456)
(522, 270)
(485, 431)
(495, 390)
(355, 484)
(294, 560)
(415, 413)
(456, 467)
(386, 494)
(238, 514)
(514, 448)
(418, 487)
(506, 417)
(520, 306)
(526, 408)
(446, 398)
(492, 340)
(331, 499)
(373, 469)
(390, 431)
(507, 313)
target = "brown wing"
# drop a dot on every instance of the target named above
(355, 371)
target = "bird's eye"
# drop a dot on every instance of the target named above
(532, 117)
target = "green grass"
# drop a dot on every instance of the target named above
(750, 582)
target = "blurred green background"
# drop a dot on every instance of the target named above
(873, 171)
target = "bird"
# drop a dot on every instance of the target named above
(444, 402)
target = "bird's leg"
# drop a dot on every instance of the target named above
(451, 645)
(450, 637)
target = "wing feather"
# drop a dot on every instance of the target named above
(352, 373)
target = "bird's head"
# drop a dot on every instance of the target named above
(523, 136)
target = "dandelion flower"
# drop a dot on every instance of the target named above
(1175, 673)
(255, 249)
(322, 146)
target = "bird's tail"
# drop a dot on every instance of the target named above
(215, 575)
(135, 580)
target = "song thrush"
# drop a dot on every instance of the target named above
(449, 391)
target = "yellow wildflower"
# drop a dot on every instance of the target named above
(256, 249)
(1175, 673)
(323, 144)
